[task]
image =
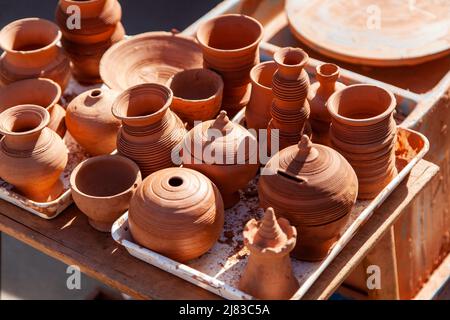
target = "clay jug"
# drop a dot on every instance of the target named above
(177, 212)
(150, 130)
(32, 156)
(91, 123)
(31, 51)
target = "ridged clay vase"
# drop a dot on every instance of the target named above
(364, 131)
(91, 123)
(327, 76)
(177, 212)
(315, 188)
(150, 131)
(230, 45)
(32, 156)
(31, 51)
(225, 152)
(102, 188)
(197, 95)
(268, 274)
(42, 92)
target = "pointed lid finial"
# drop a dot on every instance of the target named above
(269, 234)
(306, 150)
(222, 122)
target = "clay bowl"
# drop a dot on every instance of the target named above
(197, 94)
(148, 57)
(102, 188)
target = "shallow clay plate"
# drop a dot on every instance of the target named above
(379, 33)
(148, 57)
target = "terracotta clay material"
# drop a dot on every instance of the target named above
(177, 212)
(363, 130)
(102, 188)
(268, 274)
(91, 123)
(225, 152)
(148, 57)
(42, 92)
(31, 51)
(197, 95)
(32, 156)
(230, 45)
(327, 75)
(315, 188)
(150, 130)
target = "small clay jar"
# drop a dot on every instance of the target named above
(268, 274)
(197, 95)
(315, 188)
(327, 75)
(177, 212)
(230, 45)
(150, 130)
(32, 156)
(102, 188)
(42, 92)
(225, 152)
(31, 51)
(91, 123)
(364, 131)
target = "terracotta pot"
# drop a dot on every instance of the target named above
(290, 109)
(268, 274)
(363, 129)
(312, 185)
(230, 45)
(197, 95)
(31, 51)
(32, 156)
(102, 188)
(327, 75)
(150, 130)
(177, 212)
(42, 92)
(89, 118)
(257, 112)
(221, 149)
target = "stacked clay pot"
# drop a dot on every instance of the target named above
(290, 109)
(42, 92)
(91, 123)
(364, 131)
(99, 28)
(315, 188)
(230, 45)
(150, 130)
(31, 51)
(225, 152)
(32, 156)
(327, 75)
(177, 212)
(102, 188)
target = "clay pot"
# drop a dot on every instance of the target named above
(149, 57)
(91, 123)
(268, 274)
(225, 152)
(32, 156)
(197, 95)
(363, 130)
(102, 188)
(31, 51)
(177, 212)
(230, 45)
(42, 92)
(150, 130)
(327, 75)
(290, 109)
(315, 188)
(257, 112)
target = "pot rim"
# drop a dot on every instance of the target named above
(25, 108)
(282, 51)
(262, 65)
